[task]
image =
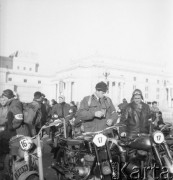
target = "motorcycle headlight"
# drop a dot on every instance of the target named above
(26, 143)
(158, 137)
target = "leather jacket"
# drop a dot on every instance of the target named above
(136, 119)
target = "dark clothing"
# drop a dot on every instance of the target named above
(136, 119)
(86, 113)
(32, 115)
(14, 124)
(62, 110)
(122, 107)
(74, 110)
(3, 115)
(43, 114)
(43, 118)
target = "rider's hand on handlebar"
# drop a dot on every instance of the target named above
(99, 114)
(109, 122)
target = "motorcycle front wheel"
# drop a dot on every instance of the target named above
(33, 177)
(108, 177)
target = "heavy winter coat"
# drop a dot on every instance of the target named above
(136, 119)
(86, 113)
(63, 110)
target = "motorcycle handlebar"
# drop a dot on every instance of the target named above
(97, 132)
(168, 125)
(57, 122)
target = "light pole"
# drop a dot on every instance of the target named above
(106, 74)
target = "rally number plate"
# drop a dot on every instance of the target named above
(100, 140)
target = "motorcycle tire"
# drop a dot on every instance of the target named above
(108, 177)
(33, 177)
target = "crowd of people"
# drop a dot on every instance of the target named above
(96, 112)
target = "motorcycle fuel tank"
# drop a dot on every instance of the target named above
(142, 142)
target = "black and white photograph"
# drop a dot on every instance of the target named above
(86, 90)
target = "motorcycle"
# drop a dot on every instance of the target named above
(142, 158)
(87, 156)
(24, 162)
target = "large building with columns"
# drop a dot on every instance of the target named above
(20, 72)
(79, 79)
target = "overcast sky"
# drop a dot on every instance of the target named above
(63, 30)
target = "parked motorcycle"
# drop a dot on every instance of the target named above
(142, 158)
(87, 156)
(24, 162)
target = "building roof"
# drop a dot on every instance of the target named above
(6, 62)
(117, 64)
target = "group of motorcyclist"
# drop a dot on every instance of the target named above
(96, 112)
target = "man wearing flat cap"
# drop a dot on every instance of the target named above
(96, 112)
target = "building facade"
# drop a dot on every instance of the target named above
(20, 73)
(79, 79)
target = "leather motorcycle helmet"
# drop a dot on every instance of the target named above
(137, 92)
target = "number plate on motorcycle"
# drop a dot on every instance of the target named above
(25, 143)
(99, 140)
(158, 137)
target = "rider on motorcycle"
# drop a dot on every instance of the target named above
(136, 116)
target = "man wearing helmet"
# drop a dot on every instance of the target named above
(136, 116)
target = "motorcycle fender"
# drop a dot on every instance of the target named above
(27, 174)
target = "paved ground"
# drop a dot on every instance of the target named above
(49, 173)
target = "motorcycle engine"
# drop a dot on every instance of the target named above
(83, 166)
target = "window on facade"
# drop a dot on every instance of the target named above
(18, 67)
(24, 68)
(64, 85)
(164, 82)
(146, 95)
(9, 79)
(30, 69)
(146, 88)
(158, 81)
(39, 82)
(113, 83)
(134, 87)
(157, 97)
(134, 78)
(25, 80)
(146, 80)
